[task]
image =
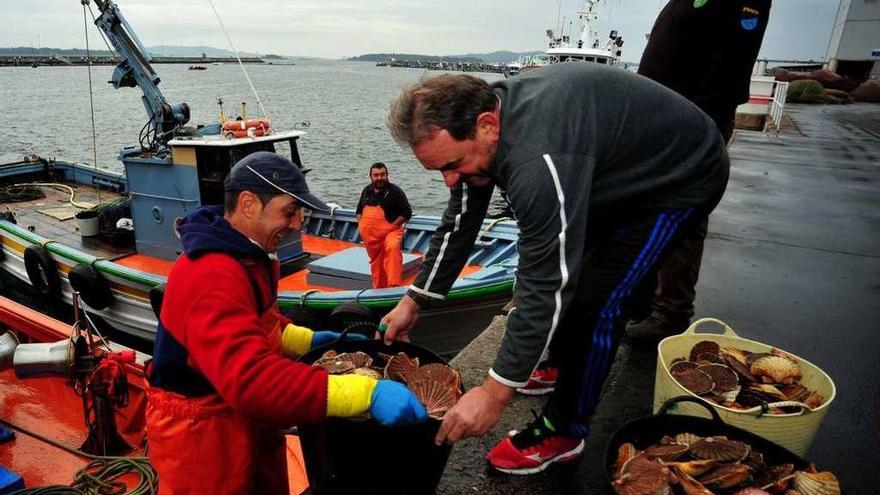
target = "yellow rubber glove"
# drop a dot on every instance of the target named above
(296, 340)
(349, 395)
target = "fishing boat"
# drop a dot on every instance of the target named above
(585, 47)
(112, 237)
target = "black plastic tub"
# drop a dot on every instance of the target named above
(648, 430)
(360, 456)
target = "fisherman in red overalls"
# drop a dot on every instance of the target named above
(381, 211)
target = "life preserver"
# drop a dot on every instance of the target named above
(240, 125)
(91, 285)
(258, 131)
(42, 272)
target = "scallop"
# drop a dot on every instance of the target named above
(751, 358)
(696, 381)
(643, 476)
(370, 372)
(742, 371)
(824, 483)
(726, 476)
(776, 369)
(736, 354)
(709, 357)
(625, 452)
(751, 491)
(693, 468)
(795, 392)
(720, 449)
(334, 365)
(814, 400)
(666, 453)
(400, 366)
(687, 438)
(688, 484)
(704, 346)
(438, 397)
(724, 378)
(440, 372)
(358, 359)
(680, 366)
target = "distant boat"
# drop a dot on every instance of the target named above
(197, 67)
(34, 65)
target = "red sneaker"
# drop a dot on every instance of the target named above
(534, 449)
(542, 381)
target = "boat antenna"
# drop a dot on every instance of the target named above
(235, 51)
(85, 3)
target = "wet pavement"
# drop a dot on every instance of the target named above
(792, 260)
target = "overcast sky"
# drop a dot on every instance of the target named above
(798, 29)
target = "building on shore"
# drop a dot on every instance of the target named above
(854, 48)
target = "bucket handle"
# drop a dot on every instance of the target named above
(761, 410)
(673, 403)
(693, 328)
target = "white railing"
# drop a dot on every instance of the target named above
(777, 105)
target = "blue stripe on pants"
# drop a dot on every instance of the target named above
(600, 355)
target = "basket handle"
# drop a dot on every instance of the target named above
(761, 410)
(673, 402)
(702, 321)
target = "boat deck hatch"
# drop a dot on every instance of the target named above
(350, 269)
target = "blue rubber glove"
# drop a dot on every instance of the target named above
(322, 337)
(392, 403)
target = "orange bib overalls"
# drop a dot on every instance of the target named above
(382, 240)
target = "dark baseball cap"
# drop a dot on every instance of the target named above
(264, 172)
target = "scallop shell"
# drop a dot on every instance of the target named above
(814, 400)
(736, 354)
(666, 453)
(796, 392)
(726, 476)
(824, 483)
(688, 484)
(759, 393)
(720, 449)
(329, 354)
(783, 354)
(696, 381)
(370, 372)
(400, 366)
(625, 452)
(680, 366)
(687, 438)
(334, 365)
(642, 476)
(724, 378)
(358, 359)
(779, 477)
(709, 357)
(751, 491)
(776, 369)
(693, 468)
(751, 358)
(442, 373)
(437, 397)
(704, 346)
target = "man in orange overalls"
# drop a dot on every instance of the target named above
(381, 211)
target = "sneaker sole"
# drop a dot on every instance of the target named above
(563, 457)
(535, 391)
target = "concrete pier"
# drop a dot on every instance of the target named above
(792, 260)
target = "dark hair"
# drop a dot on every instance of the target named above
(230, 199)
(377, 165)
(450, 102)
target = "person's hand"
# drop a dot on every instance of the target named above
(322, 337)
(475, 413)
(400, 320)
(392, 403)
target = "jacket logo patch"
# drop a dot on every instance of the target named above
(749, 23)
(700, 3)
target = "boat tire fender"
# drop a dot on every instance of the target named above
(42, 272)
(91, 285)
(305, 316)
(350, 312)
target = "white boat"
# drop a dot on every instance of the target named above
(586, 47)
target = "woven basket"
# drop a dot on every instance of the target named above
(794, 431)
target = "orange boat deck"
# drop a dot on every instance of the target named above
(47, 416)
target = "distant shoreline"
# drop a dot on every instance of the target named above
(50, 61)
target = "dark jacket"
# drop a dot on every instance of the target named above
(576, 138)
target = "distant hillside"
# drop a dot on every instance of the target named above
(156, 51)
(488, 58)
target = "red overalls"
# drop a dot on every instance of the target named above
(382, 240)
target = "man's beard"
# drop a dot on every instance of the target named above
(380, 184)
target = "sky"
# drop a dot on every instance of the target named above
(798, 29)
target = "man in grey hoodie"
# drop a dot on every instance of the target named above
(604, 170)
